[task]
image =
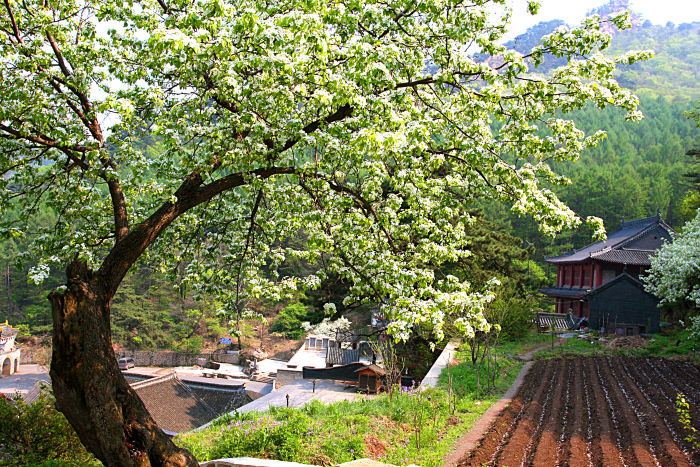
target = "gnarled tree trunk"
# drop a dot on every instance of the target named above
(105, 412)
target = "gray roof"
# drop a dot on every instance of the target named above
(336, 356)
(616, 241)
(173, 406)
(623, 256)
(566, 292)
(7, 331)
(221, 400)
(619, 278)
(555, 320)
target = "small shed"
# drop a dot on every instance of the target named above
(622, 306)
(371, 378)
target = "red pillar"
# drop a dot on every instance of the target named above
(598, 275)
(558, 276)
(580, 276)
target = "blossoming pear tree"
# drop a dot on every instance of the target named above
(367, 125)
(674, 275)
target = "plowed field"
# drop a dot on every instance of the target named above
(602, 411)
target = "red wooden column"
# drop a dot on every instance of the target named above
(598, 275)
(558, 276)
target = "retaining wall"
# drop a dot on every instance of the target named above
(168, 359)
(287, 375)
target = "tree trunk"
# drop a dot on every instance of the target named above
(105, 412)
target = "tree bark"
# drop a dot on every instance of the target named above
(105, 412)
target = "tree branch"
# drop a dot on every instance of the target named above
(191, 193)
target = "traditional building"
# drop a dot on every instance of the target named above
(601, 280)
(9, 352)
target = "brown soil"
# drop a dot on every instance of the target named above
(375, 446)
(610, 411)
(625, 342)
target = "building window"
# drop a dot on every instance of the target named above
(576, 277)
(586, 276)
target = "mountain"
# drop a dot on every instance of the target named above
(673, 72)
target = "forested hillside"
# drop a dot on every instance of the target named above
(638, 169)
(673, 72)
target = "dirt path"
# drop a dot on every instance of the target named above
(612, 411)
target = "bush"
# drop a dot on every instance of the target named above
(289, 321)
(266, 437)
(191, 345)
(36, 433)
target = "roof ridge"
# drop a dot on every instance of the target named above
(641, 221)
(154, 380)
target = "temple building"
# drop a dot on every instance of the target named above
(600, 282)
(9, 352)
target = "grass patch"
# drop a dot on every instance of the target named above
(671, 345)
(413, 426)
(575, 347)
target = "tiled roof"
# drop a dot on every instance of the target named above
(375, 368)
(7, 331)
(621, 277)
(173, 406)
(221, 400)
(336, 356)
(622, 256)
(555, 320)
(36, 391)
(616, 240)
(563, 292)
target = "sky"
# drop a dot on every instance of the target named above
(573, 11)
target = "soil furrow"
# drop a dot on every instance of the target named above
(575, 446)
(501, 429)
(673, 380)
(544, 441)
(608, 448)
(662, 440)
(595, 411)
(644, 452)
(518, 445)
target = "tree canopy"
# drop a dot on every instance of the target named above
(367, 125)
(674, 276)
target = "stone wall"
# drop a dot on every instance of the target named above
(143, 357)
(36, 356)
(165, 359)
(232, 358)
(286, 376)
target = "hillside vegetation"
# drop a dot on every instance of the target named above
(638, 169)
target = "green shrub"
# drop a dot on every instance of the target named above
(191, 345)
(267, 437)
(289, 321)
(38, 434)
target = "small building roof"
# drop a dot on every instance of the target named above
(621, 277)
(337, 356)
(173, 406)
(7, 331)
(613, 248)
(375, 368)
(564, 292)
